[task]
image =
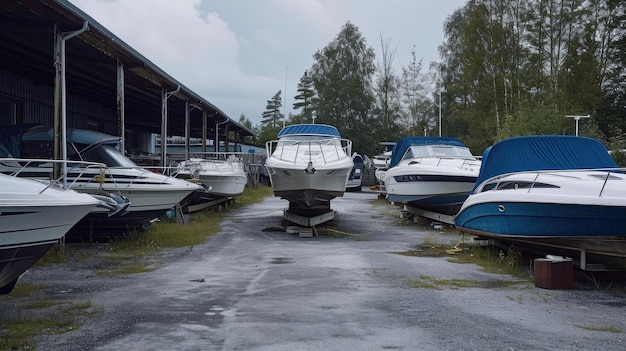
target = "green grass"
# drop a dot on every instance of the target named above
(26, 289)
(44, 316)
(253, 196)
(149, 244)
(493, 260)
(609, 329)
(427, 282)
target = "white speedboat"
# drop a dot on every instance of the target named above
(356, 174)
(150, 194)
(220, 177)
(555, 190)
(33, 217)
(381, 162)
(431, 173)
(309, 164)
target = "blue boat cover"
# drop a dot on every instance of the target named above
(11, 137)
(405, 143)
(309, 129)
(543, 152)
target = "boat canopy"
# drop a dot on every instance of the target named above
(405, 143)
(309, 129)
(12, 136)
(543, 152)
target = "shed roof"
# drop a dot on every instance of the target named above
(27, 30)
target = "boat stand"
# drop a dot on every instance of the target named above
(308, 217)
(428, 214)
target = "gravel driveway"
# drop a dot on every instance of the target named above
(253, 287)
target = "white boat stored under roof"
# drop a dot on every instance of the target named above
(150, 194)
(34, 215)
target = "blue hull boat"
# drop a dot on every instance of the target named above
(559, 191)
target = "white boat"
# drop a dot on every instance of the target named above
(33, 217)
(356, 174)
(381, 161)
(309, 164)
(221, 178)
(553, 190)
(150, 194)
(431, 173)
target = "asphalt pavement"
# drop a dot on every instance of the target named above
(254, 286)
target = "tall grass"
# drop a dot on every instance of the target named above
(201, 226)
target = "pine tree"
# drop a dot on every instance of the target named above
(304, 99)
(272, 116)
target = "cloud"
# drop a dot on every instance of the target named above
(237, 54)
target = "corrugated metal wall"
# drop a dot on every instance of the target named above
(33, 102)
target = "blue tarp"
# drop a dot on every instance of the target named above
(309, 129)
(405, 143)
(12, 136)
(543, 152)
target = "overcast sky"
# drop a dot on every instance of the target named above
(238, 53)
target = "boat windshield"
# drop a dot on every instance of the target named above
(299, 139)
(107, 154)
(418, 151)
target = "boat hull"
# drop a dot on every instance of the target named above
(17, 259)
(308, 190)
(437, 193)
(28, 231)
(543, 220)
(596, 228)
(224, 185)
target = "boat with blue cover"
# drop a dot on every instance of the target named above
(555, 190)
(431, 173)
(309, 164)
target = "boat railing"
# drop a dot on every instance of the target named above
(80, 172)
(208, 165)
(231, 161)
(75, 170)
(306, 149)
(534, 182)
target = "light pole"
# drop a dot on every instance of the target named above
(577, 118)
(440, 111)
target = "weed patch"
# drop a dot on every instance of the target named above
(609, 329)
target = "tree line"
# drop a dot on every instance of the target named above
(508, 68)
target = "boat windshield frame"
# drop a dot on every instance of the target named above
(438, 151)
(107, 154)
